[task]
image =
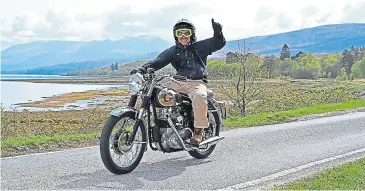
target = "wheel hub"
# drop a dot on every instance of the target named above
(120, 145)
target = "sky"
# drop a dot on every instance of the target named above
(86, 20)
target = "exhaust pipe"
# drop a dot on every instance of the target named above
(212, 141)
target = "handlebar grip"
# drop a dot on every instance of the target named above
(150, 70)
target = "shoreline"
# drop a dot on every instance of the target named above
(72, 99)
(96, 80)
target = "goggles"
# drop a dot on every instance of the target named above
(183, 32)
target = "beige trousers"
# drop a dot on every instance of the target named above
(197, 92)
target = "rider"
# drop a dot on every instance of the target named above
(189, 56)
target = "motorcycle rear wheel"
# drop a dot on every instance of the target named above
(215, 127)
(111, 145)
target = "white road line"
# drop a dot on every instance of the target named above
(43, 153)
(286, 172)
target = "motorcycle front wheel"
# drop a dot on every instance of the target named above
(117, 156)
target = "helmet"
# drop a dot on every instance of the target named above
(185, 23)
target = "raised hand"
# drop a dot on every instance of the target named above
(217, 27)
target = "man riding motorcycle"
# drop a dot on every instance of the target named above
(189, 58)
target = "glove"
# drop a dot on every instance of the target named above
(140, 70)
(150, 70)
(217, 27)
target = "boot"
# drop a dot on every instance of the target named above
(197, 137)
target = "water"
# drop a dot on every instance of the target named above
(25, 92)
(34, 76)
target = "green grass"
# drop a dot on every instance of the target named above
(349, 176)
(36, 140)
(277, 117)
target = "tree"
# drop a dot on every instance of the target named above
(286, 67)
(306, 66)
(271, 63)
(330, 65)
(285, 52)
(359, 69)
(298, 54)
(348, 59)
(243, 86)
(218, 69)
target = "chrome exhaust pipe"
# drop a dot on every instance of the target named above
(212, 141)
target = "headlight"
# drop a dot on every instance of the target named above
(167, 97)
(136, 82)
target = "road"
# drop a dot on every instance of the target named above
(244, 155)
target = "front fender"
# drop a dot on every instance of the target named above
(120, 110)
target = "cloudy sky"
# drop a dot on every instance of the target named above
(86, 20)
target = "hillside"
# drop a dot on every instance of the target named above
(57, 57)
(76, 66)
(50, 53)
(322, 39)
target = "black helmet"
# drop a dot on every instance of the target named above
(185, 23)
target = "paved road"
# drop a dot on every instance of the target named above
(245, 154)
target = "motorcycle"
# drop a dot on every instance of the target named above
(164, 120)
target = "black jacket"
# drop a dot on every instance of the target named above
(190, 60)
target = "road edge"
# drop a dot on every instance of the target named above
(297, 173)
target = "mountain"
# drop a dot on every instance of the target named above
(86, 65)
(50, 53)
(322, 39)
(56, 57)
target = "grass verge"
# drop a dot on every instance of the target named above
(36, 140)
(281, 116)
(349, 176)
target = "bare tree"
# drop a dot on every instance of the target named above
(243, 83)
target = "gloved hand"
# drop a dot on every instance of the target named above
(217, 27)
(140, 70)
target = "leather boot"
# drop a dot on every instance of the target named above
(197, 137)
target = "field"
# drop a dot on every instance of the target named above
(280, 101)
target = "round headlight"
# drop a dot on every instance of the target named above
(136, 82)
(167, 97)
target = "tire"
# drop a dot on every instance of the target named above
(105, 151)
(201, 154)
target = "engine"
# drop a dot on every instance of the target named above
(168, 139)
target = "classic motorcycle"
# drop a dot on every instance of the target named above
(164, 120)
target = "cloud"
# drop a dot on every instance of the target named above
(309, 11)
(354, 12)
(263, 13)
(152, 22)
(87, 20)
(324, 18)
(283, 20)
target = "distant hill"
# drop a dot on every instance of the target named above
(57, 57)
(50, 53)
(322, 39)
(76, 66)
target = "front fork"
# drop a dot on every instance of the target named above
(145, 105)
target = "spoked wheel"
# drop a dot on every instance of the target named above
(117, 156)
(211, 131)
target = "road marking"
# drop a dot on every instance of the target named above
(289, 171)
(68, 150)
